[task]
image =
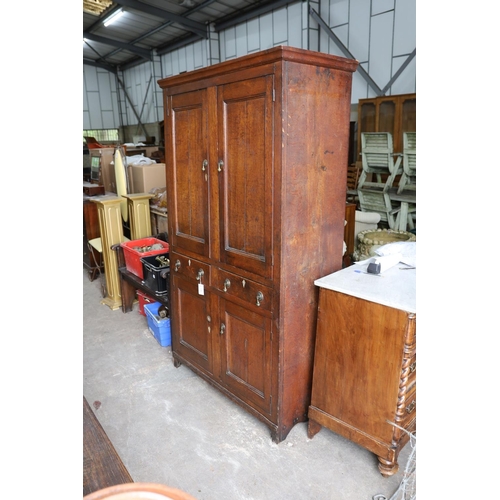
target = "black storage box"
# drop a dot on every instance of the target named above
(155, 273)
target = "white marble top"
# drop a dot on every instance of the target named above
(393, 288)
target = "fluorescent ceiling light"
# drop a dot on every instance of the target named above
(114, 17)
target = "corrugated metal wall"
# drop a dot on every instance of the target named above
(380, 34)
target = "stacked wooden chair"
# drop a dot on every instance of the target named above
(353, 173)
(379, 171)
(408, 179)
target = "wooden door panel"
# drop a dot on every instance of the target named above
(387, 117)
(246, 144)
(246, 363)
(350, 340)
(191, 324)
(189, 172)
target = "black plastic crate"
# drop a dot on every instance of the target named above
(156, 273)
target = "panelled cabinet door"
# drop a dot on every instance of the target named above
(245, 167)
(187, 171)
(246, 359)
(192, 323)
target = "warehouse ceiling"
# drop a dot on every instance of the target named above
(157, 25)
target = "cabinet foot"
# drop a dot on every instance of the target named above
(386, 467)
(177, 363)
(312, 428)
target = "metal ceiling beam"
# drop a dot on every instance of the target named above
(399, 71)
(345, 50)
(194, 26)
(252, 13)
(132, 105)
(194, 37)
(115, 43)
(110, 68)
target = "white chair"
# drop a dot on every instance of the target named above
(408, 179)
(377, 157)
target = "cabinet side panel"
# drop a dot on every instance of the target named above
(316, 111)
(357, 366)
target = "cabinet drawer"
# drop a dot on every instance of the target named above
(409, 409)
(189, 268)
(247, 290)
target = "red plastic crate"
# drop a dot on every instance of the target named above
(133, 256)
(144, 298)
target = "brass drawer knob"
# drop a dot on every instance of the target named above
(411, 406)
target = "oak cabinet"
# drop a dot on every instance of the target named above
(256, 158)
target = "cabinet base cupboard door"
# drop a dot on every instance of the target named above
(256, 166)
(191, 321)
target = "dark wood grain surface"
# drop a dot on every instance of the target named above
(102, 467)
(256, 162)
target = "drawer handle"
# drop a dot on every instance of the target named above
(259, 298)
(200, 274)
(204, 165)
(413, 367)
(227, 284)
(411, 406)
(220, 164)
(222, 328)
(177, 264)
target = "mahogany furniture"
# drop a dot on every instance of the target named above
(395, 114)
(364, 381)
(92, 261)
(256, 158)
(102, 467)
(92, 189)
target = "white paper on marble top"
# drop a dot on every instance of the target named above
(394, 288)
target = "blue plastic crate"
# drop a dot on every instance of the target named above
(159, 327)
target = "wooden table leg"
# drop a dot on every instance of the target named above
(128, 295)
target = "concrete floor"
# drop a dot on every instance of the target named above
(171, 427)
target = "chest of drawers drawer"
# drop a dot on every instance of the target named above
(189, 268)
(251, 292)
